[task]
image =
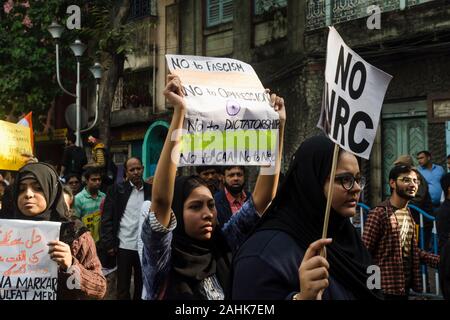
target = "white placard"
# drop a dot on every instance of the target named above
(26, 270)
(229, 120)
(353, 97)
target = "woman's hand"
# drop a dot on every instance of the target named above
(313, 271)
(277, 104)
(60, 253)
(174, 92)
(29, 158)
(166, 170)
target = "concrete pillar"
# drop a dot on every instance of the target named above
(296, 17)
(242, 30)
(187, 22)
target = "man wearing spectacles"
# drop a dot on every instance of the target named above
(390, 236)
(421, 200)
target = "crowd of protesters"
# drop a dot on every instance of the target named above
(205, 237)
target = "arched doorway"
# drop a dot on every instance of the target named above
(152, 146)
(404, 132)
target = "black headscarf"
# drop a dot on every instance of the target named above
(56, 209)
(194, 260)
(299, 210)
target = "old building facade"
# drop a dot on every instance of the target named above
(285, 41)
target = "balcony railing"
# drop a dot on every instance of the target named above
(322, 13)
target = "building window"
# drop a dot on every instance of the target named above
(134, 90)
(262, 6)
(322, 13)
(142, 8)
(218, 11)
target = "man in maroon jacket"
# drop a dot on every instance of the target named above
(390, 236)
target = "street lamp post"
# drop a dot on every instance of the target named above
(78, 49)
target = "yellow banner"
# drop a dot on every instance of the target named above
(56, 135)
(92, 222)
(14, 140)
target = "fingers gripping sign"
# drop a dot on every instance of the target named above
(313, 271)
(60, 253)
(174, 92)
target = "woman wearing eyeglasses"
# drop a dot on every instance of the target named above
(281, 260)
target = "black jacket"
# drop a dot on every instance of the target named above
(443, 223)
(115, 203)
(74, 159)
(223, 206)
(7, 210)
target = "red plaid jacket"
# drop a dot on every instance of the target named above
(382, 238)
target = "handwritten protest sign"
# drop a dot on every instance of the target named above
(26, 270)
(229, 119)
(92, 221)
(353, 98)
(15, 140)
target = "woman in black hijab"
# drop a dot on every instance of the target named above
(186, 254)
(38, 196)
(268, 264)
(195, 260)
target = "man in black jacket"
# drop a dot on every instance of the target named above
(443, 230)
(232, 197)
(119, 226)
(73, 159)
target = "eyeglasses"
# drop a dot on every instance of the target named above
(348, 181)
(408, 180)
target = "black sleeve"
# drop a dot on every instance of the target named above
(83, 158)
(107, 235)
(442, 226)
(7, 211)
(66, 160)
(255, 279)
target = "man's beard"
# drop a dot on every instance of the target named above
(136, 181)
(234, 190)
(403, 194)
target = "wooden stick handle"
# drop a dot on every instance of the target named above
(323, 252)
(330, 195)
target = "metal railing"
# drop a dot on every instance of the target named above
(364, 209)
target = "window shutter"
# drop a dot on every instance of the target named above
(213, 12)
(227, 10)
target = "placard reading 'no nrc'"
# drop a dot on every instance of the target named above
(353, 97)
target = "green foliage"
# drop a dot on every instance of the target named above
(99, 26)
(27, 51)
(27, 54)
